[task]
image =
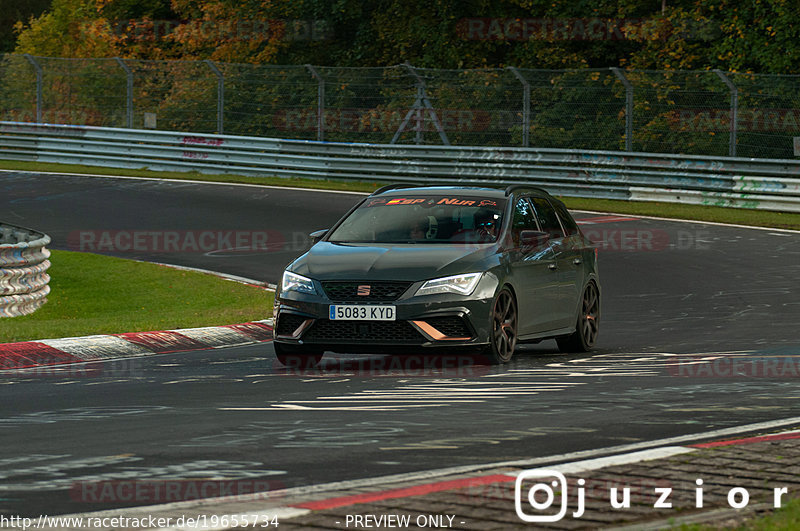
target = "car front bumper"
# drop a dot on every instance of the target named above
(442, 322)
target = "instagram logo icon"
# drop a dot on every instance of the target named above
(538, 489)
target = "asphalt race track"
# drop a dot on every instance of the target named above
(698, 332)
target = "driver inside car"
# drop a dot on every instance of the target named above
(486, 225)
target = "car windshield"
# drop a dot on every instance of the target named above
(423, 219)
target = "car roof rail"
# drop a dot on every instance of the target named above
(516, 187)
(394, 186)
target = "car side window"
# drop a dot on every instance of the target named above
(524, 218)
(567, 221)
(547, 217)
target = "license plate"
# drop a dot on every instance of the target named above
(361, 312)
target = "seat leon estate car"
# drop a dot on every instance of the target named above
(435, 268)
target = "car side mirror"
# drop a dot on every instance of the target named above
(530, 239)
(317, 235)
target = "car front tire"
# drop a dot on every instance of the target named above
(503, 340)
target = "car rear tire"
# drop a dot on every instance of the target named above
(504, 328)
(297, 356)
(588, 324)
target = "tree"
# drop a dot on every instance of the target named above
(13, 11)
(758, 36)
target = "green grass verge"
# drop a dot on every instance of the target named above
(738, 216)
(94, 294)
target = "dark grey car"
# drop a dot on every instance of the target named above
(441, 268)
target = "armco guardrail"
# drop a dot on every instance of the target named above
(23, 265)
(767, 184)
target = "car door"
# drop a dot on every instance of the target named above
(534, 273)
(567, 260)
(578, 260)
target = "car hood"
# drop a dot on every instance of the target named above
(341, 261)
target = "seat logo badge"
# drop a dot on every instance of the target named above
(363, 291)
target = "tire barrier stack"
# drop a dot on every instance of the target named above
(23, 265)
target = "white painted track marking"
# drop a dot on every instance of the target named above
(562, 461)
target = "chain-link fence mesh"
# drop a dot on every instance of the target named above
(768, 114)
(18, 90)
(361, 104)
(669, 110)
(272, 101)
(692, 112)
(576, 109)
(82, 91)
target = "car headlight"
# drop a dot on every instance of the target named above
(294, 282)
(458, 284)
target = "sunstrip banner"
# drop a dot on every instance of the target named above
(431, 201)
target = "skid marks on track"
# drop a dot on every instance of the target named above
(523, 379)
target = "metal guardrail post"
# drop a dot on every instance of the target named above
(128, 93)
(628, 107)
(734, 111)
(526, 106)
(220, 94)
(39, 82)
(320, 103)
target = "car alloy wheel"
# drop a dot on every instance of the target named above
(504, 328)
(588, 325)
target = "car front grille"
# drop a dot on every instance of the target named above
(364, 291)
(386, 332)
(450, 326)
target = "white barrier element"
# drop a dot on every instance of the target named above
(23, 265)
(721, 199)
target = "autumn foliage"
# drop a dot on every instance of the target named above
(757, 36)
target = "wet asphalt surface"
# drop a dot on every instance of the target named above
(698, 332)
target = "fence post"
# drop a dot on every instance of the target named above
(39, 81)
(220, 94)
(628, 107)
(734, 111)
(128, 93)
(418, 139)
(320, 102)
(526, 106)
(422, 101)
